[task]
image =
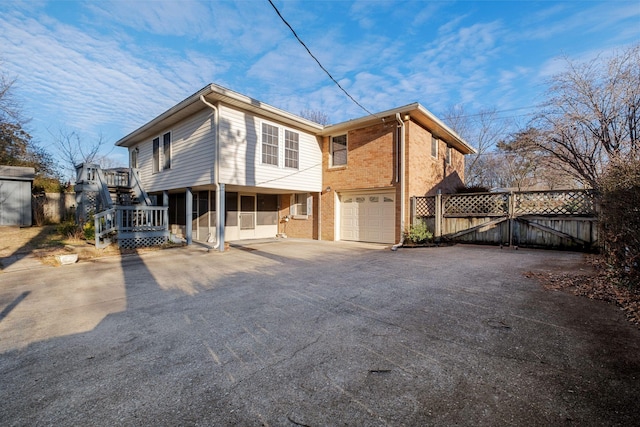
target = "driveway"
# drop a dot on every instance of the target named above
(304, 333)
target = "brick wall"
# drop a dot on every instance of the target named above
(371, 163)
(298, 228)
(426, 174)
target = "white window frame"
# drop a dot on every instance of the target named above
(155, 161)
(159, 164)
(134, 158)
(447, 155)
(434, 146)
(346, 150)
(263, 144)
(301, 205)
(167, 158)
(289, 150)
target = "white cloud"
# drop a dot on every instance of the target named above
(89, 81)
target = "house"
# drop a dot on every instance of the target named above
(15, 195)
(230, 167)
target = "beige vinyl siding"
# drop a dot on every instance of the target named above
(192, 155)
(241, 164)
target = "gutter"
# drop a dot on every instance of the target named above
(219, 245)
(402, 182)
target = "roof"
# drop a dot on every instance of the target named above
(214, 94)
(418, 113)
(17, 173)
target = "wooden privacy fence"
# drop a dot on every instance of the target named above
(546, 219)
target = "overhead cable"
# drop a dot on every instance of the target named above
(317, 61)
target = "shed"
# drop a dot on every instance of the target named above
(15, 195)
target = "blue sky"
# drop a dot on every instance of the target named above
(108, 67)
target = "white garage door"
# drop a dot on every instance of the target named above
(368, 217)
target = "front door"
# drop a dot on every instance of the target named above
(247, 219)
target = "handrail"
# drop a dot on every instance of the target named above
(137, 187)
(130, 220)
(105, 224)
(104, 189)
(117, 178)
(142, 218)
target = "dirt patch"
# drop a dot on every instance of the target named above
(46, 243)
(595, 282)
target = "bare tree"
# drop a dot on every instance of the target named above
(9, 108)
(17, 147)
(72, 150)
(592, 115)
(519, 160)
(482, 130)
(317, 116)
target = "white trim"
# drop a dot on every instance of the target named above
(437, 144)
(346, 150)
(261, 142)
(293, 206)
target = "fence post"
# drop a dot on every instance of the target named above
(511, 210)
(438, 218)
(412, 203)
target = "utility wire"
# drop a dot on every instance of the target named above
(317, 61)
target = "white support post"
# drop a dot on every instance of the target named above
(220, 216)
(189, 215)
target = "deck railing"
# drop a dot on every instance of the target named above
(132, 226)
(117, 178)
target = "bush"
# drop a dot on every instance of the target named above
(418, 233)
(619, 219)
(70, 230)
(89, 229)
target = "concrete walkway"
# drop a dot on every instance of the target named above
(312, 333)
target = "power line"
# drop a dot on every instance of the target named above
(317, 61)
(503, 111)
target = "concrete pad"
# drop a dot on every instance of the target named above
(313, 333)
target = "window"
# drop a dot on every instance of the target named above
(448, 155)
(156, 155)
(434, 147)
(269, 144)
(166, 153)
(166, 150)
(267, 209)
(300, 205)
(339, 150)
(134, 157)
(291, 147)
(231, 209)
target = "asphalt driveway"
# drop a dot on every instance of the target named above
(312, 334)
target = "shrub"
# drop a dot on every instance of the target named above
(619, 219)
(89, 229)
(70, 230)
(418, 233)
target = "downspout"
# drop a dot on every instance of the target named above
(402, 182)
(216, 170)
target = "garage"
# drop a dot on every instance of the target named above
(368, 217)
